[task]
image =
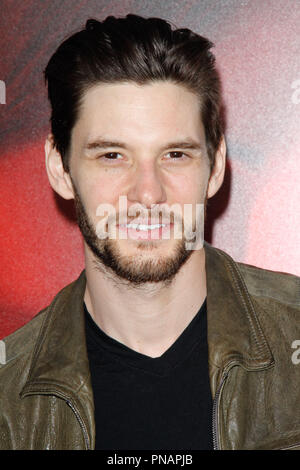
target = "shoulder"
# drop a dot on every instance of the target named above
(275, 297)
(16, 349)
(15, 362)
(20, 343)
(265, 284)
(259, 282)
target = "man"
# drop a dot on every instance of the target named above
(163, 342)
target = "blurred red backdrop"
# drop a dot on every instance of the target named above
(255, 216)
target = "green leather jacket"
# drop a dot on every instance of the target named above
(253, 319)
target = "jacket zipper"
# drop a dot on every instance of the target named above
(289, 447)
(215, 414)
(81, 423)
(70, 404)
(215, 418)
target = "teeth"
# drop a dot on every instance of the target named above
(145, 227)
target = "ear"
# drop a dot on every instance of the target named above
(59, 179)
(217, 174)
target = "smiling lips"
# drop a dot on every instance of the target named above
(145, 231)
(142, 226)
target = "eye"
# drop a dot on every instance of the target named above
(176, 155)
(111, 156)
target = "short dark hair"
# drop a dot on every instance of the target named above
(133, 49)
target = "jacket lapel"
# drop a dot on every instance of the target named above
(59, 363)
(234, 333)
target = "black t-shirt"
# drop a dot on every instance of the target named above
(145, 403)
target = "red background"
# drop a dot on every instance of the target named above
(255, 216)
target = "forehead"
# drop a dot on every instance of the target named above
(139, 112)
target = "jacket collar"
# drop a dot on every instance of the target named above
(60, 361)
(60, 357)
(235, 335)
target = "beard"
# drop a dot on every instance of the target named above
(145, 266)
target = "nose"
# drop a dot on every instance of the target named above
(146, 187)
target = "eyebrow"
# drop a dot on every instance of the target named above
(104, 144)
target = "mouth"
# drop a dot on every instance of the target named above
(146, 231)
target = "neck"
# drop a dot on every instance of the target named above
(150, 317)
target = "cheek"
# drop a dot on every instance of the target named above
(96, 187)
(102, 199)
(191, 188)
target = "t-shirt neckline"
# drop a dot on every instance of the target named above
(195, 332)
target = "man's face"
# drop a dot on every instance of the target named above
(146, 143)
